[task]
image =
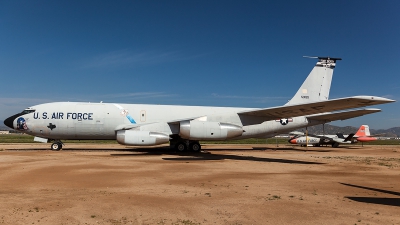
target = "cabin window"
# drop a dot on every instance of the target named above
(26, 111)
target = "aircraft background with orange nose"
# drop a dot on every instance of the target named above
(318, 140)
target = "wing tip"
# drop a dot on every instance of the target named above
(375, 98)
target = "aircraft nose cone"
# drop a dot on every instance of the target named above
(292, 141)
(9, 122)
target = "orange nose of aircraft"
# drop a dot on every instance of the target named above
(293, 141)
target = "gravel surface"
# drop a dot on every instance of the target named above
(225, 184)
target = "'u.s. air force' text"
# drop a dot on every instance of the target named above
(61, 116)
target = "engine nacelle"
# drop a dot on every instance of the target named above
(141, 138)
(207, 131)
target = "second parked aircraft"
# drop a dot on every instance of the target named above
(362, 135)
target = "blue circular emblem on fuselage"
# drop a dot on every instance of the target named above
(21, 124)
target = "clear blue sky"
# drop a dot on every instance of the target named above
(217, 53)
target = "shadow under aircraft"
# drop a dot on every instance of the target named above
(201, 156)
(375, 200)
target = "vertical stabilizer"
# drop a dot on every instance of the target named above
(318, 83)
(363, 131)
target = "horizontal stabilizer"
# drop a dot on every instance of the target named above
(323, 58)
(287, 111)
(349, 137)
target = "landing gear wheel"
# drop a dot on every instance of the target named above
(56, 146)
(195, 146)
(180, 147)
(335, 145)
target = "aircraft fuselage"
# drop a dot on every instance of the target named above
(99, 121)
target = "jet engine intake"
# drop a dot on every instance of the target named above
(141, 138)
(204, 131)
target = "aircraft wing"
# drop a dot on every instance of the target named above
(287, 111)
(332, 116)
(129, 126)
(319, 136)
(349, 137)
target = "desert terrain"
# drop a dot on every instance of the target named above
(225, 184)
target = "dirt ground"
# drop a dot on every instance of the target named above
(226, 184)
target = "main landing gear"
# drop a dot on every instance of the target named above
(57, 145)
(182, 145)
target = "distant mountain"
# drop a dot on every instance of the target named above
(330, 129)
(395, 131)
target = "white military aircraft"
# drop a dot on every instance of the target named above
(362, 135)
(185, 126)
(318, 140)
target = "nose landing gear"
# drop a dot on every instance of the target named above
(57, 146)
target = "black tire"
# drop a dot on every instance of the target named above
(195, 146)
(180, 147)
(335, 145)
(56, 146)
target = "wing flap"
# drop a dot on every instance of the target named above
(328, 117)
(317, 107)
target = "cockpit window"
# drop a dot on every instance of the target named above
(26, 111)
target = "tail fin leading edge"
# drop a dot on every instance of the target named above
(317, 85)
